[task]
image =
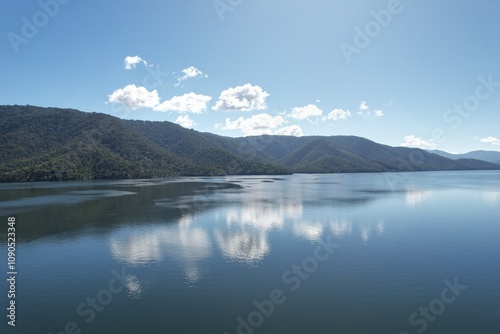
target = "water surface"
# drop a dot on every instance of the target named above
(344, 253)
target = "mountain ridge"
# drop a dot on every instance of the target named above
(489, 156)
(54, 144)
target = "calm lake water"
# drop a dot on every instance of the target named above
(348, 253)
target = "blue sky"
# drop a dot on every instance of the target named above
(416, 73)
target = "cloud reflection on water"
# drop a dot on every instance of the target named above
(309, 230)
(344, 227)
(133, 286)
(417, 196)
(243, 245)
(340, 228)
(491, 196)
(183, 242)
(241, 228)
(244, 236)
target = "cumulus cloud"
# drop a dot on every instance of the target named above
(365, 110)
(364, 106)
(134, 97)
(185, 121)
(262, 124)
(242, 98)
(131, 61)
(337, 115)
(301, 113)
(190, 102)
(490, 140)
(291, 130)
(255, 125)
(417, 142)
(190, 73)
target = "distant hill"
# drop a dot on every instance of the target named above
(196, 148)
(316, 154)
(490, 156)
(50, 144)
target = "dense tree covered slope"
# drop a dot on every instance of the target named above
(51, 144)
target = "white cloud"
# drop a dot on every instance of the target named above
(185, 121)
(364, 106)
(131, 61)
(417, 142)
(134, 97)
(318, 101)
(190, 73)
(301, 113)
(255, 125)
(490, 140)
(337, 115)
(242, 98)
(262, 124)
(292, 130)
(190, 102)
(364, 110)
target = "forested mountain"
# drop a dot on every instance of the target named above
(490, 156)
(198, 149)
(315, 154)
(49, 144)
(55, 144)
